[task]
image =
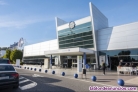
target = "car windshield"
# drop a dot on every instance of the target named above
(6, 68)
(3, 61)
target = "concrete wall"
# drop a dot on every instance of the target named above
(39, 48)
(118, 37)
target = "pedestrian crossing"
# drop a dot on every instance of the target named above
(25, 83)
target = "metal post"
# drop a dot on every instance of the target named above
(84, 60)
(51, 62)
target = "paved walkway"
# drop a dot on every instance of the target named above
(109, 79)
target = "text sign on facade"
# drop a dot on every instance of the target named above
(101, 58)
(56, 61)
(79, 63)
(17, 62)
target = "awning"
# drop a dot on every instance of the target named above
(69, 51)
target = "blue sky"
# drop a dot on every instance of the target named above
(34, 20)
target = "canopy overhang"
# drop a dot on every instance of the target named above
(69, 51)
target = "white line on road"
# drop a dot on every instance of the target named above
(21, 77)
(27, 86)
(24, 81)
(36, 75)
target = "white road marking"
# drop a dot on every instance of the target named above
(28, 86)
(24, 81)
(36, 75)
(21, 78)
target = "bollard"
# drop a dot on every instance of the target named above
(93, 78)
(35, 69)
(75, 75)
(63, 73)
(53, 72)
(46, 71)
(39, 70)
(121, 82)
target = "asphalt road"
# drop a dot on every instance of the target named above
(31, 81)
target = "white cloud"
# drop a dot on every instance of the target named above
(18, 22)
(3, 3)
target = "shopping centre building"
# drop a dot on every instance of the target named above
(84, 41)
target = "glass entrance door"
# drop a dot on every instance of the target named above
(69, 63)
(74, 63)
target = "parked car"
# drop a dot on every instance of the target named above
(4, 61)
(8, 76)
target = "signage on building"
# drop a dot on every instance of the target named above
(79, 63)
(56, 61)
(102, 58)
(69, 57)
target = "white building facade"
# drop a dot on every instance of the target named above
(86, 41)
(2, 53)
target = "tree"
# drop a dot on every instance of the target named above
(7, 55)
(16, 54)
(3, 48)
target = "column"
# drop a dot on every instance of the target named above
(51, 62)
(79, 64)
(46, 63)
(84, 60)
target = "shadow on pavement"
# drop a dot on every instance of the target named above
(130, 85)
(102, 81)
(106, 79)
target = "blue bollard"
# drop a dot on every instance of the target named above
(53, 72)
(63, 73)
(39, 70)
(75, 75)
(46, 71)
(121, 82)
(93, 78)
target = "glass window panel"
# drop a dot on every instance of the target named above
(88, 42)
(88, 46)
(87, 37)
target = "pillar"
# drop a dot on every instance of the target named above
(51, 62)
(84, 60)
(79, 64)
(46, 63)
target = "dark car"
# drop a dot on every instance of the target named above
(8, 76)
(4, 61)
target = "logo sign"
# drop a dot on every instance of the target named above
(72, 25)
